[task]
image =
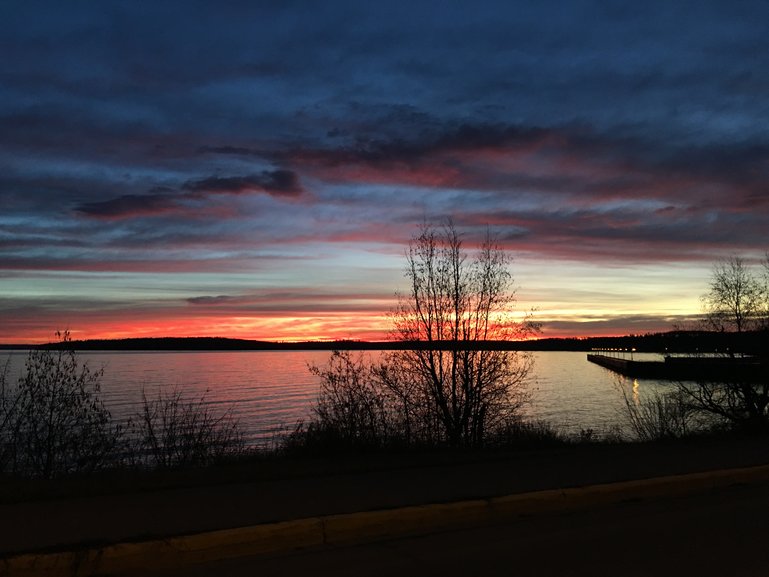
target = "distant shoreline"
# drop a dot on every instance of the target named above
(674, 342)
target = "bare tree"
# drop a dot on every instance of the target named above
(741, 405)
(738, 301)
(736, 297)
(764, 313)
(455, 307)
(452, 383)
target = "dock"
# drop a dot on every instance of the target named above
(719, 369)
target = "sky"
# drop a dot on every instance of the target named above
(256, 169)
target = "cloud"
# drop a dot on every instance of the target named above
(280, 183)
(418, 143)
(615, 326)
(295, 302)
(568, 165)
(229, 150)
(130, 205)
(213, 300)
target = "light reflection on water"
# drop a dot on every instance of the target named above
(269, 391)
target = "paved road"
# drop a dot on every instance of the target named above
(324, 487)
(722, 532)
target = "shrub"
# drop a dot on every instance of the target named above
(352, 408)
(170, 431)
(7, 410)
(53, 422)
(659, 416)
(517, 433)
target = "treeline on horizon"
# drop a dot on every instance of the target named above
(679, 341)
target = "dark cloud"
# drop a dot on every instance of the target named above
(165, 199)
(274, 182)
(235, 150)
(419, 145)
(301, 301)
(130, 205)
(619, 325)
(208, 301)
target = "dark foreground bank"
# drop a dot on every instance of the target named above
(107, 509)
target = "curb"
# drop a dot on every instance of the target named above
(352, 528)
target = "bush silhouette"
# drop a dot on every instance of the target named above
(170, 431)
(52, 422)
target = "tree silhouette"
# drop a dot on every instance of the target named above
(456, 305)
(736, 298)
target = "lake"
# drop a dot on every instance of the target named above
(269, 391)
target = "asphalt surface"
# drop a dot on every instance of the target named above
(719, 532)
(66, 523)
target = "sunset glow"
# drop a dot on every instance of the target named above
(257, 170)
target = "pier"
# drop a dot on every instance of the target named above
(722, 369)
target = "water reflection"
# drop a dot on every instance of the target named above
(270, 391)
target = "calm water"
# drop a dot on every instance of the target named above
(270, 391)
